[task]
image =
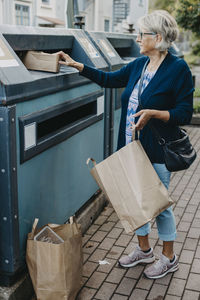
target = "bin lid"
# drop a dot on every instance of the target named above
(12, 69)
(125, 45)
(19, 84)
(106, 49)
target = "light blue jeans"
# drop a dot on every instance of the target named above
(165, 221)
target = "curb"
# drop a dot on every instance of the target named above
(21, 290)
(91, 212)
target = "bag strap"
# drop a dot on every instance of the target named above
(161, 140)
(90, 159)
(34, 228)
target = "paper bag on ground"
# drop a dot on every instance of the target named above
(130, 182)
(41, 61)
(55, 264)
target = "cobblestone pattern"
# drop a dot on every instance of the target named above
(106, 240)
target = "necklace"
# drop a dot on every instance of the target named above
(155, 65)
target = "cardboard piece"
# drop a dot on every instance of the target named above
(40, 61)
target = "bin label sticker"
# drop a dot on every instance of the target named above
(100, 105)
(107, 48)
(6, 58)
(29, 136)
(89, 47)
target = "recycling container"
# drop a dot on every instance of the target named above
(50, 123)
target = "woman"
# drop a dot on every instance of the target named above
(167, 101)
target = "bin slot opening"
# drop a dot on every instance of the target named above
(124, 52)
(46, 128)
(125, 47)
(21, 54)
(64, 120)
(39, 42)
(21, 43)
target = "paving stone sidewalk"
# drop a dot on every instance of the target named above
(106, 240)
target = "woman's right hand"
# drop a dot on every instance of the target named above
(68, 61)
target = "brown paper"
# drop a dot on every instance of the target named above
(56, 269)
(130, 182)
(41, 61)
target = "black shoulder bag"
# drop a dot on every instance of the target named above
(178, 154)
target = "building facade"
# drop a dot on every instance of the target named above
(49, 13)
(100, 15)
(138, 8)
(111, 15)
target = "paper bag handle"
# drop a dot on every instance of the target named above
(92, 160)
(34, 227)
(134, 133)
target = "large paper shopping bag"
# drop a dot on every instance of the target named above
(130, 182)
(54, 259)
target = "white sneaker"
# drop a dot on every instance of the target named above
(162, 267)
(137, 257)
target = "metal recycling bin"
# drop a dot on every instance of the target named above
(176, 51)
(125, 45)
(49, 125)
(128, 49)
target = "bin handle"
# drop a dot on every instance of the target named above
(92, 160)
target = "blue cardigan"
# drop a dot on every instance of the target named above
(170, 89)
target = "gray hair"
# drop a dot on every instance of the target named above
(160, 21)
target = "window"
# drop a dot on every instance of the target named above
(22, 15)
(45, 1)
(106, 25)
(141, 2)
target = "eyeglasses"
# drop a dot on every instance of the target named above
(141, 34)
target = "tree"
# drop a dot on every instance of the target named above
(188, 15)
(168, 5)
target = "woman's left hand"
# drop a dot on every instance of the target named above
(145, 116)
